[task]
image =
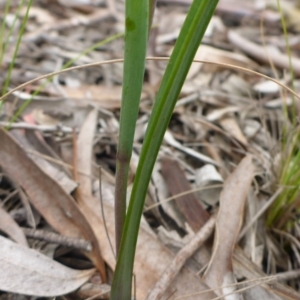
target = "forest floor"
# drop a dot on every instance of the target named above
(230, 155)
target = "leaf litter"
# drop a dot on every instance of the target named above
(222, 118)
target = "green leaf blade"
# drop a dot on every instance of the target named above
(136, 39)
(186, 46)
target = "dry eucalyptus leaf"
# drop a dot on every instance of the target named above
(210, 53)
(53, 171)
(266, 87)
(47, 196)
(168, 138)
(232, 200)
(217, 114)
(233, 128)
(196, 216)
(85, 148)
(206, 176)
(11, 228)
(26, 271)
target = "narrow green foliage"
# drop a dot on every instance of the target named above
(186, 46)
(289, 178)
(3, 40)
(22, 30)
(289, 174)
(136, 37)
(288, 50)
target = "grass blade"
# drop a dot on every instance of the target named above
(22, 30)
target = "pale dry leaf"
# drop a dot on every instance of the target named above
(259, 293)
(266, 87)
(47, 196)
(85, 150)
(196, 216)
(217, 114)
(263, 54)
(233, 128)
(279, 102)
(168, 138)
(251, 128)
(11, 228)
(236, 85)
(91, 290)
(206, 52)
(41, 16)
(229, 220)
(102, 96)
(26, 271)
(105, 97)
(206, 176)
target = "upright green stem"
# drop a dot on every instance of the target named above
(22, 30)
(136, 37)
(186, 46)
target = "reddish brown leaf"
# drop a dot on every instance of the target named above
(177, 183)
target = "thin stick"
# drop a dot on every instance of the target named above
(52, 237)
(209, 187)
(106, 62)
(182, 256)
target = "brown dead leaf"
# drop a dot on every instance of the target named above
(233, 128)
(11, 228)
(177, 183)
(26, 271)
(229, 220)
(48, 197)
(51, 170)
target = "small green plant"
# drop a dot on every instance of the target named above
(5, 36)
(288, 175)
(136, 37)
